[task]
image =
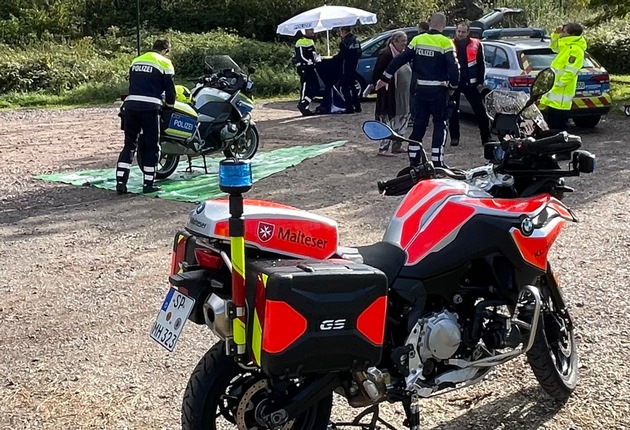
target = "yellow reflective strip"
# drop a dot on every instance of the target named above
(237, 249)
(264, 279)
(178, 132)
(257, 339)
(572, 69)
(239, 331)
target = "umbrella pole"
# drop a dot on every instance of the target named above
(328, 42)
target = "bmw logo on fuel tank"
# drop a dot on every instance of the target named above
(527, 226)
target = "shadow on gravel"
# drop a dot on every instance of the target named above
(63, 205)
(527, 409)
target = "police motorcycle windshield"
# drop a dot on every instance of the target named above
(219, 63)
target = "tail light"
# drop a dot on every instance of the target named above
(521, 81)
(208, 259)
(179, 251)
(601, 78)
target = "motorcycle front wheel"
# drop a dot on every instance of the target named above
(246, 147)
(553, 356)
(220, 395)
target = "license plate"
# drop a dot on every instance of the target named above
(171, 319)
(581, 85)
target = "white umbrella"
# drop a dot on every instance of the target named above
(325, 18)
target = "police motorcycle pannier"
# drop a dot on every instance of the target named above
(312, 316)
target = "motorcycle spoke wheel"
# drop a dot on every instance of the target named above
(553, 357)
(222, 395)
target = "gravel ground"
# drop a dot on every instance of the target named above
(83, 273)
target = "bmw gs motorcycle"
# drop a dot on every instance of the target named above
(215, 117)
(459, 284)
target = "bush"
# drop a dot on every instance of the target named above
(609, 43)
(59, 69)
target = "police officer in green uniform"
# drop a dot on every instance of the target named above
(150, 76)
(437, 71)
(570, 45)
(305, 59)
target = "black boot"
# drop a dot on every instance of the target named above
(121, 188)
(148, 189)
(303, 106)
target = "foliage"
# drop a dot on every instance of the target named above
(100, 67)
(610, 44)
(607, 9)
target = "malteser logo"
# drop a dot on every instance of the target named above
(265, 231)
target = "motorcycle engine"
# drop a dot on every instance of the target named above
(228, 131)
(432, 340)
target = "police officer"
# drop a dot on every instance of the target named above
(348, 56)
(436, 67)
(568, 42)
(305, 59)
(472, 76)
(150, 75)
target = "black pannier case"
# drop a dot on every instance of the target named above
(315, 316)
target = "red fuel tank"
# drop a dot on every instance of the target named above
(270, 227)
(433, 212)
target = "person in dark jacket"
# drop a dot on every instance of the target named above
(436, 67)
(150, 76)
(306, 57)
(472, 68)
(423, 27)
(348, 57)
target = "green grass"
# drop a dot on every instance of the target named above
(620, 87)
(97, 95)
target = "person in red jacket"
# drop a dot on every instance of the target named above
(472, 75)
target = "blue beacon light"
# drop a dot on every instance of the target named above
(235, 176)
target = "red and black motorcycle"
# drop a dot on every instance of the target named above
(459, 284)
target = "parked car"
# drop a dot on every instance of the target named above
(513, 58)
(512, 63)
(372, 46)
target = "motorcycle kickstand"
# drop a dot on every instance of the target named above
(356, 422)
(205, 167)
(412, 410)
(190, 167)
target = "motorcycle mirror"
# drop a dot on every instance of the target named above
(542, 84)
(251, 70)
(376, 130)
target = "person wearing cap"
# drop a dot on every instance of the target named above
(569, 44)
(150, 76)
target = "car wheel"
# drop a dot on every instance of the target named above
(587, 121)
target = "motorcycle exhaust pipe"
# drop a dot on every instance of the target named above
(507, 356)
(216, 316)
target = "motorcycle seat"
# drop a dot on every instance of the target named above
(384, 256)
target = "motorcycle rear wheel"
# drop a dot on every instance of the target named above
(167, 164)
(553, 356)
(247, 149)
(216, 387)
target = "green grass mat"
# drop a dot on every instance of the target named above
(196, 186)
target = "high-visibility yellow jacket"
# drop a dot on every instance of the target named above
(566, 65)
